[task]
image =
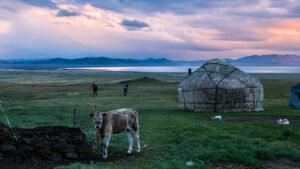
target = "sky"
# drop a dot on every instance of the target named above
(139, 29)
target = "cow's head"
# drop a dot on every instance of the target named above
(97, 118)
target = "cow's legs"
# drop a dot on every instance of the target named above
(130, 138)
(136, 136)
(105, 142)
(97, 142)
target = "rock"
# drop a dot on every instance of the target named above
(34, 160)
(8, 148)
(87, 155)
(46, 151)
(1, 157)
(72, 155)
(189, 163)
(68, 149)
(27, 148)
(27, 140)
(56, 156)
(84, 148)
(60, 146)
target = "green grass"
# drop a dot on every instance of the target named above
(169, 137)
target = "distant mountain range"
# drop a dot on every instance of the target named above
(105, 61)
(268, 60)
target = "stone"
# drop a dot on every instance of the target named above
(68, 149)
(45, 151)
(8, 148)
(27, 148)
(87, 156)
(72, 155)
(1, 157)
(84, 148)
(27, 140)
(56, 156)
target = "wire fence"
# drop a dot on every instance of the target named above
(15, 116)
(8, 122)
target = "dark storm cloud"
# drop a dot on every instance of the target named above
(65, 13)
(41, 3)
(133, 24)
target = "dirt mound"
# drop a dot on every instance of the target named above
(43, 147)
(256, 119)
(32, 164)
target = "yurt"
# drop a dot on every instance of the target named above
(217, 86)
(295, 96)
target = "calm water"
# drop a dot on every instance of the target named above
(248, 69)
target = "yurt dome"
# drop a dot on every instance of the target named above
(217, 86)
(295, 96)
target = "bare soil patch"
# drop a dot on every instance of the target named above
(221, 165)
(255, 119)
(271, 164)
(282, 164)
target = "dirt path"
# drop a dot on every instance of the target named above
(274, 164)
(256, 119)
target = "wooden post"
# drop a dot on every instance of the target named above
(74, 117)
(97, 142)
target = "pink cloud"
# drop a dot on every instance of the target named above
(30, 29)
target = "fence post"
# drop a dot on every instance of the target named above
(74, 117)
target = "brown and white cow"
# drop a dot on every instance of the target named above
(113, 122)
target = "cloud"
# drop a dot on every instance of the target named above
(41, 3)
(167, 6)
(66, 13)
(233, 32)
(133, 24)
(280, 3)
(175, 29)
(4, 27)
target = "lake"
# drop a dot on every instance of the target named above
(248, 69)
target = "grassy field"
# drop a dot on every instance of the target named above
(169, 137)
